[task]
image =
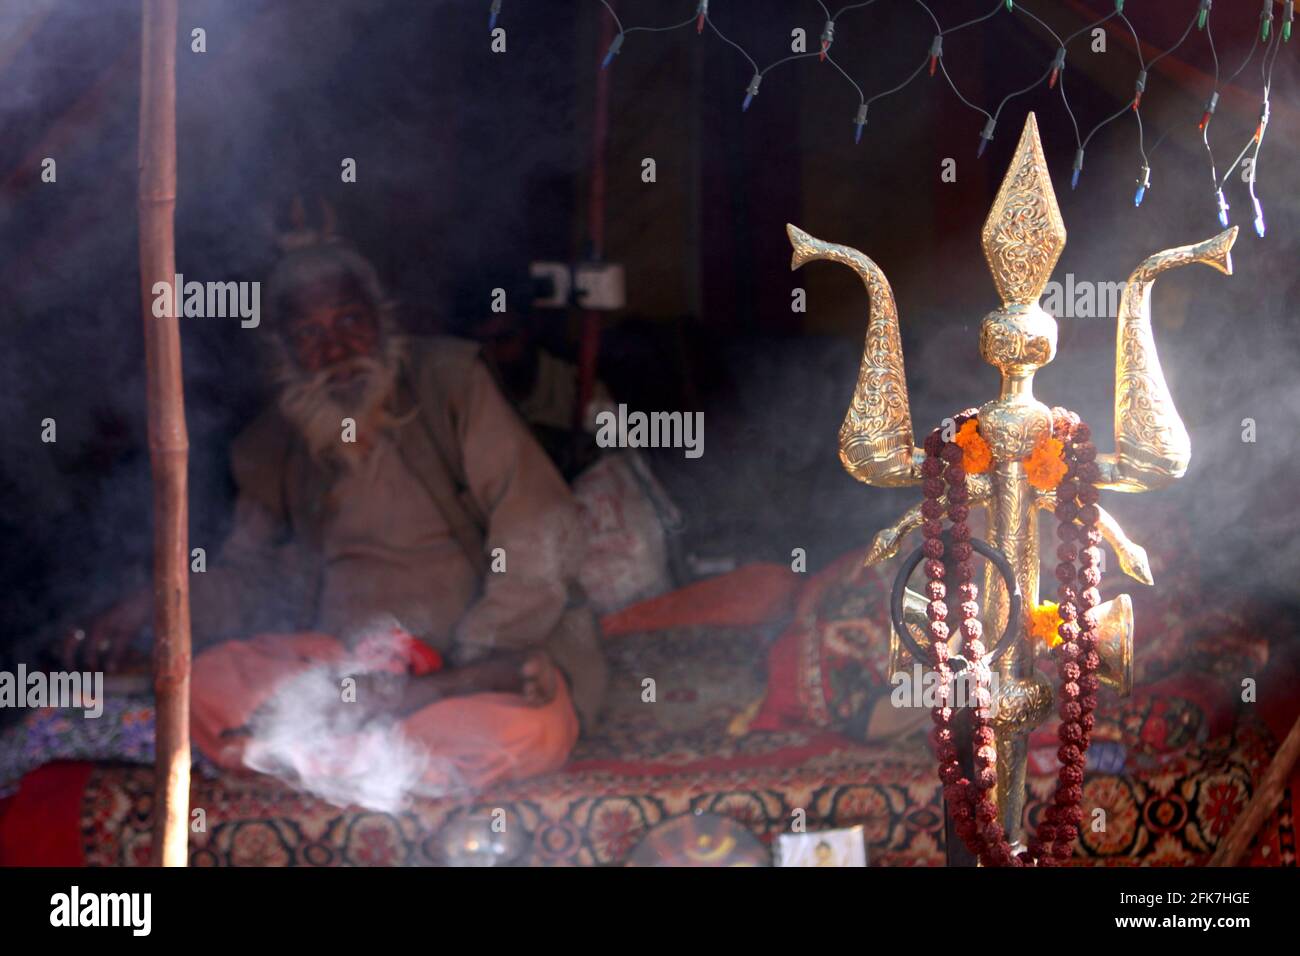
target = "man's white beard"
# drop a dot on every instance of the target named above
(317, 408)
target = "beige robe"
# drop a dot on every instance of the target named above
(296, 560)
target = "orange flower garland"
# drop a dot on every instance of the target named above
(1044, 466)
(976, 455)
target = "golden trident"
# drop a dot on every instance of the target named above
(1022, 239)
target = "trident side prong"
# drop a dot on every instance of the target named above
(886, 543)
(1132, 557)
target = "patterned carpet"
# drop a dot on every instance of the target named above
(656, 760)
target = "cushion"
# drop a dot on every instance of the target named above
(835, 653)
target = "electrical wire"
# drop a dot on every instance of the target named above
(1054, 75)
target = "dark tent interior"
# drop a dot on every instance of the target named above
(471, 162)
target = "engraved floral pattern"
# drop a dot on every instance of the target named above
(1024, 233)
(1151, 439)
(876, 435)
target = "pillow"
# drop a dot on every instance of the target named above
(749, 596)
(834, 656)
(627, 550)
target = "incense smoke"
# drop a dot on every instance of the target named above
(313, 737)
(452, 142)
(313, 742)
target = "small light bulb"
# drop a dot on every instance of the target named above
(612, 52)
(1139, 87)
(493, 12)
(1223, 208)
(751, 91)
(1263, 122)
(985, 135)
(1203, 14)
(1210, 107)
(936, 51)
(702, 12)
(828, 37)
(1078, 168)
(1143, 184)
(1266, 20)
(859, 122)
(1259, 219)
(1058, 63)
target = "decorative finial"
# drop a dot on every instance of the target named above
(1024, 234)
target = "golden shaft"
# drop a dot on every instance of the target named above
(1013, 530)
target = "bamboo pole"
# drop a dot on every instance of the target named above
(589, 342)
(168, 442)
(1232, 848)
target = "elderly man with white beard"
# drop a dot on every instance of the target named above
(391, 483)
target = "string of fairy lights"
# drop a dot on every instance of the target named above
(1266, 38)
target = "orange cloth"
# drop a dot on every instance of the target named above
(746, 597)
(485, 738)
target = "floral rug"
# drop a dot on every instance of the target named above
(683, 752)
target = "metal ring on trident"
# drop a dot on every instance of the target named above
(1013, 610)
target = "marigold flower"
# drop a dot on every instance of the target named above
(976, 457)
(1044, 466)
(1044, 619)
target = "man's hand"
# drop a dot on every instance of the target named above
(103, 643)
(530, 674)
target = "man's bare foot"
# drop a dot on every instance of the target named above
(531, 674)
(541, 678)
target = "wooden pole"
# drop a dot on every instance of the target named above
(168, 442)
(589, 343)
(1232, 848)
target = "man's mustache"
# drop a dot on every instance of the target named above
(340, 381)
(317, 402)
